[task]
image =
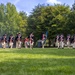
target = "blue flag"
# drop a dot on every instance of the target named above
(46, 34)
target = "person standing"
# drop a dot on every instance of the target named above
(31, 40)
(26, 42)
(4, 41)
(74, 41)
(11, 41)
(18, 40)
(57, 41)
(43, 40)
(61, 41)
(68, 40)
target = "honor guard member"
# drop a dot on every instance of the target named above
(11, 41)
(74, 41)
(4, 41)
(61, 41)
(26, 42)
(43, 40)
(18, 40)
(57, 41)
(68, 40)
(31, 40)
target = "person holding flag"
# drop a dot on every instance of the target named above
(44, 37)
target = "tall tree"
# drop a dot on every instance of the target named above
(23, 24)
(2, 18)
(11, 21)
(49, 18)
(71, 20)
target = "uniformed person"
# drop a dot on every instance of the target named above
(18, 40)
(57, 41)
(74, 41)
(4, 41)
(11, 41)
(68, 40)
(61, 41)
(31, 40)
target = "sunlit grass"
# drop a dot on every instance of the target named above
(48, 61)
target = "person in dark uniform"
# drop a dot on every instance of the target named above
(57, 41)
(18, 40)
(31, 40)
(4, 41)
(10, 41)
(74, 41)
(68, 40)
(61, 41)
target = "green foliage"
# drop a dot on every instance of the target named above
(57, 19)
(23, 23)
(70, 21)
(11, 21)
(48, 18)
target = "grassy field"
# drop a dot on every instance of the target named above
(48, 61)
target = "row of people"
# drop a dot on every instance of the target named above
(61, 41)
(18, 40)
(29, 42)
(10, 41)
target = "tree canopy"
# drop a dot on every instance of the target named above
(11, 21)
(56, 19)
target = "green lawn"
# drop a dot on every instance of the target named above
(48, 61)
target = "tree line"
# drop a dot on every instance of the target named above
(56, 19)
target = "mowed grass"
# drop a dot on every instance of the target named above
(48, 61)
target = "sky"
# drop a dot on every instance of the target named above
(28, 5)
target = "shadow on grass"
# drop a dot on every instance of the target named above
(37, 67)
(48, 51)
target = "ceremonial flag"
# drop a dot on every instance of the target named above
(46, 34)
